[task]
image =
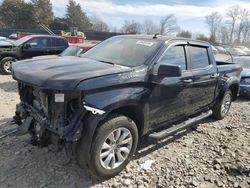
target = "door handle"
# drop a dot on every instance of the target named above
(188, 80)
(214, 76)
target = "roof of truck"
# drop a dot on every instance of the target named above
(165, 38)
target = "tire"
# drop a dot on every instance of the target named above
(221, 110)
(115, 156)
(6, 64)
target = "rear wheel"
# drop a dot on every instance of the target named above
(6, 64)
(221, 110)
(113, 147)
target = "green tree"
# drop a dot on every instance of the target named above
(17, 14)
(76, 17)
(59, 24)
(43, 11)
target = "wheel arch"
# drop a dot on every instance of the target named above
(9, 55)
(234, 87)
(91, 122)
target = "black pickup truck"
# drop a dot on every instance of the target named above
(28, 47)
(98, 106)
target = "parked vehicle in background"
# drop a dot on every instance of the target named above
(221, 49)
(13, 36)
(244, 48)
(2, 38)
(28, 47)
(236, 51)
(128, 86)
(245, 75)
(72, 50)
(77, 49)
(4, 44)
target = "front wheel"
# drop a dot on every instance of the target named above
(221, 110)
(6, 64)
(113, 147)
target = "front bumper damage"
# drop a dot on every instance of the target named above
(41, 130)
(47, 119)
(30, 120)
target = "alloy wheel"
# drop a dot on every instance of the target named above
(116, 148)
(226, 103)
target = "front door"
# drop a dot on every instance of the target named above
(36, 47)
(171, 95)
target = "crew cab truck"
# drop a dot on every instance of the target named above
(99, 105)
(28, 47)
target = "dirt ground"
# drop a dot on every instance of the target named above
(212, 154)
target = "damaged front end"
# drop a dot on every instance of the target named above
(50, 116)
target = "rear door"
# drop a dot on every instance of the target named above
(59, 45)
(204, 76)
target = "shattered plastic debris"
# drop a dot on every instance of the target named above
(147, 165)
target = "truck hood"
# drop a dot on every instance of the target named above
(62, 73)
(5, 44)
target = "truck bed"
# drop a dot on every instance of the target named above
(228, 67)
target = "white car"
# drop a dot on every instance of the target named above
(244, 48)
(236, 51)
(221, 49)
(3, 38)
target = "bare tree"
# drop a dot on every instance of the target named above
(233, 14)
(113, 29)
(214, 22)
(244, 20)
(183, 33)
(168, 24)
(246, 32)
(149, 27)
(201, 36)
(131, 27)
(98, 24)
(224, 34)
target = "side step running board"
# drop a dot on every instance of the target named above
(177, 128)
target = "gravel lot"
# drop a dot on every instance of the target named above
(211, 154)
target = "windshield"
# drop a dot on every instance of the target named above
(22, 40)
(71, 51)
(124, 51)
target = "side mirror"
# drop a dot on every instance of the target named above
(27, 46)
(169, 71)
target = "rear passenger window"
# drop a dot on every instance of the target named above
(59, 42)
(198, 57)
(176, 56)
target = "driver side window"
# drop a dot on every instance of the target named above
(176, 56)
(39, 42)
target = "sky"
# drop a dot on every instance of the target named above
(190, 13)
